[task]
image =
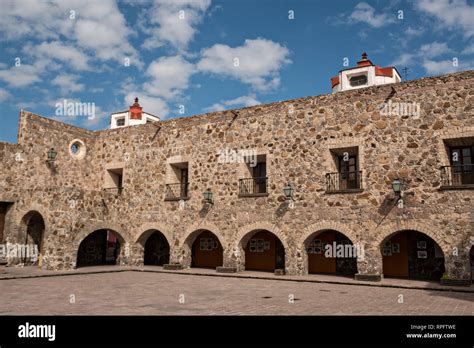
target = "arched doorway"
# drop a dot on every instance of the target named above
(411, 254)
(207, 251)
(33, 223)
(157, 249)
(264, 252)
(101, 247)
(331, 252)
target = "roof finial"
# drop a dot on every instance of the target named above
(364, 56)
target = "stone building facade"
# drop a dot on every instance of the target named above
(135, 181)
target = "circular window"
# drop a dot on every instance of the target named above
(74, 149)
(77, 149)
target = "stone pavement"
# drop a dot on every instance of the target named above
(33, 272)
(163, 293)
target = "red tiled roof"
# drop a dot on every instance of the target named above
(384, 71)
(364, 63)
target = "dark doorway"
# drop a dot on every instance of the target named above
(33, 238)
(157, 250)
(3, 213)
(101, 247)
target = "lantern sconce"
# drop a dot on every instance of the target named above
(397, 187)
(288, 191)
(51, 157)
(208, 196)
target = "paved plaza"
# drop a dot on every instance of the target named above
(151, 293)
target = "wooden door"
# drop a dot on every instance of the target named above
(317, 262)
(395, 260)
(260, 252)
(207, 251)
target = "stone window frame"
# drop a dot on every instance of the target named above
(113, 166)
(82, 149)
(450, 134)
(337, 144)
(443, 154)
(171, 177)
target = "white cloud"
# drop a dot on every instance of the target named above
(98, 26)
(259, 62)
(4, 95)
(21, 76)
(99, 116)
(31, 105)
(58, 51)
(246, 100)
(469, 49)
(413, 32)
(166, 24)
(443, 67)
(424, 57)
(170, 76)
(67, 83)
(455, 14)
(20, 18)
(365, 13)
(404, 59)
(434, 49)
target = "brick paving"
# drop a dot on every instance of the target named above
(151, 293)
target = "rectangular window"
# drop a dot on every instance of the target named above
(348, 176)
(257, 181)
(178, 182)
(461, 165)
(360, 80)
(260, 177)
(114, 180)
(348, 172)
(121, 122)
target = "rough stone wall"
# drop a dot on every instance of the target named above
(296, 136)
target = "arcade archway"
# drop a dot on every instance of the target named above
(412, 254)
(263, 251)
(157, 249)
(33, 225)
(206, 250)
(101, 247)
(331, 252)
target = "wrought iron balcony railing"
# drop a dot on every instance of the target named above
(344, 181)
(176, 192)
(457, 175)
(257, 186)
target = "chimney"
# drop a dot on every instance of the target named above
(135, 111)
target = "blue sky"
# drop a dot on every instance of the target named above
(203, 55)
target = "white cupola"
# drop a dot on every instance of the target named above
(365, 74)
(133, 116)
